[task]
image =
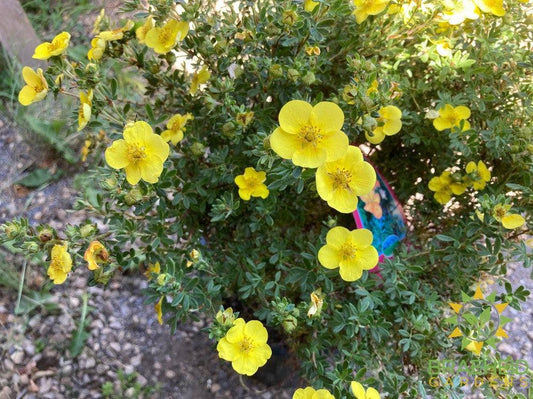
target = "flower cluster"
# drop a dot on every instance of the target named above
(477, 176)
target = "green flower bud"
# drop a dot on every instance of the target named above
(110, 183)
(87, 230)
(309, 78)
(45, 235)
(293, 74)
(289, 17)
(367, 102)
(369, 123)
(133, 196)
(31, 247)
(266, 143)
(197, 149)
(161, 279)
(369, 66)
(289, 324)
(228, 130)
(226, 317)
(276, 71)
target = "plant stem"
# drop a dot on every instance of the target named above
(21, 286)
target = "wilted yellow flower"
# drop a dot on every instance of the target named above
(96, 252)
(85, 150)
(245, 118)
(451, 117)
(494, 7)
(158, 310)
(97, 49)
(360, 393)
(373, 88)
(478, 175)
(251, 184)
(389, 123)
(60, 265)
(508, 220)
(163, 39)
(317, 301)
(310, 135)
(141, 153)
(245, 346)
(84, 113)
(36, 86)
(116, 34)
(341, 181)
(199, 78)
(457, 11)
(350, 251)
(176, 128)
(446, 184)
(312, 50)
(309, 5)
(364, 8)
(58, 46)
(152, 269)
(311, 393)
(141, 32)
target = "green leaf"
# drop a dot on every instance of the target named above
(37, 178)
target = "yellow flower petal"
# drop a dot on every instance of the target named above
(328, 117)
(512, 221)
(133, 174)
(255, 328)
(116, 155)
(27, 95)
(329, 257)
(294, 115)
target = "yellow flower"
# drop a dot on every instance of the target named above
(251, 184)
(152, 268)
(450, 117)
(310, 135)
(446, 184)
(457, 11)
(116, 34)
(359, 391)
(478, 175)
(311, 393)
(143, 30)
(84, 113)
(508, 220)
(36, 86)
(374, 89)
(341, 181)
(159, 311)
(309, 5)
(163, 39)
(176, 128)
(444, 47)
(60, 265)
(96, 252)
(350, 251)
(58, 46)
(97, 49)
(389, 123)
(245, 346)
(364, 8)
(475, 347)
(312, 50)
(317, 301)
(98, 21)
(85, 150)
(494, 7)
(141, 152)
(199, 78)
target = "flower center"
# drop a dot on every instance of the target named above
(348, 251)
(246, 345)
(310, 134)
(341, 178)
(500, 212)
(165, 36)
(136, 152)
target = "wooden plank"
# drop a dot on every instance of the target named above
(16, 33)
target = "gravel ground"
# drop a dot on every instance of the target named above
(124, 336)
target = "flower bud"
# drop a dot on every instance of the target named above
(195, 255)
(266, 143)
(226, 317)
(289, 17)
(293, 74)
(245, 118)
(369, 123)
(276, 71)
(45, 235)
(110, 183)
(289, 324)
(133, 196)
(197, 149)
(31, 247)
(161, 279)
(309, 78)
(228, 130)
(367, 102)
(87, 230)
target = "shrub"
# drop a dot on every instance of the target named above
(225, 205)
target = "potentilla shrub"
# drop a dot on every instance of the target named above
(231, 143)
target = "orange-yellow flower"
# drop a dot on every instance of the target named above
(163, 39)
(341, 181)
(311, 393)
(36, 86)
(308, 135)
(97, 49)
(176, 128)
(251, 184)
(451, 117)
(365, 8)
(350, 251)
(245, 346)
(58, 46)
(96, 252)
(141, 153)
(309, 5)
(60, 265)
